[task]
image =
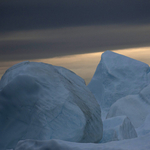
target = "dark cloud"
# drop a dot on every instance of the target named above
(71, 40)
(49, 28)
(39, 14)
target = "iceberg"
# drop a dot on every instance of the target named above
(117, 76)
(117, 128)
(131, 106)
(135, 107)
(49, 107)
(42, 102)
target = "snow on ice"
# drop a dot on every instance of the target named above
(140, 143)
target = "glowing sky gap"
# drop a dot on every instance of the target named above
(85, 65)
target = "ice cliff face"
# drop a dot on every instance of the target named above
(40, 101)
(117, 76)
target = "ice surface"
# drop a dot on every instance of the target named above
(42, 102)
(131, 106)
(117, 76)
(140, 143)
(117, 128)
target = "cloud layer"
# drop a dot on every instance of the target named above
(37, 14)
(71, 40)
(48, 28)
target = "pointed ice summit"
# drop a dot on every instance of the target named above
(117, 76)
(42, 102)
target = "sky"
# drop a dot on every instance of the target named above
(73, 33)
(39, 14)
(50, 28)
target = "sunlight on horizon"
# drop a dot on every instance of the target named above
(85, 65)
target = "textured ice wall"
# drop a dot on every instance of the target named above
(41, 101)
